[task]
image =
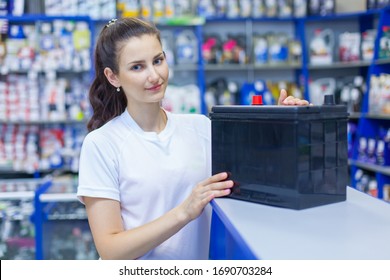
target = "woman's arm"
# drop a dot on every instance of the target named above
(113, 242)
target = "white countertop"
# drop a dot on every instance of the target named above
(358, 228)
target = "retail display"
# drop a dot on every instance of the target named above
(17, 239)
(60, 222)
(45, 74)
(370, 150)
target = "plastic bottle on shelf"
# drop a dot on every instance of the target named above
(186, 47)
(349, 46)
(285, 8)
(271, 8)
(184, 8)
(321, 47)
(158, 10)
(321, 87)
(167, 44)
(384, 43)
(245, 8)
(169, 9)
(374, 95)
(294, 51)
(206, 8)
(373, 188)
(15, 42)
(258, 8)
(362, 149)
(260, 49)
(368, 44)
(384, 80)
(232, 9)
(300, 8)
(278, 48)
(380, 147)
(371, 148)
(220, 8)
(129, 8)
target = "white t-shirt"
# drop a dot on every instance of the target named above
(149, 174)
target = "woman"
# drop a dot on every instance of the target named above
(145, 174)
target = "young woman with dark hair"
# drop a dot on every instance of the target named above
(145, 173)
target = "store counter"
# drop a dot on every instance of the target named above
(358, 228)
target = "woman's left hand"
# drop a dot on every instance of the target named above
(290, 100)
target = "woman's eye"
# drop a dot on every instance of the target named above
(158, 60)
(136, 67)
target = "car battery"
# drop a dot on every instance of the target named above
(287, 156)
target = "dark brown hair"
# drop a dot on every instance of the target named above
(106, 102)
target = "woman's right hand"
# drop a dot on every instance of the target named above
(205, 191)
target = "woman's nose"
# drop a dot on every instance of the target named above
(153, 75)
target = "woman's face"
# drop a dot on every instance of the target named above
(143, 70)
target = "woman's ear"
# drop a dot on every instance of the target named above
(111, 77)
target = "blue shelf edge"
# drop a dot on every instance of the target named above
(225, 235)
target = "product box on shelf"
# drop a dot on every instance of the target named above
(288, 156)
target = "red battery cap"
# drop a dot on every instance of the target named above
(257, 100)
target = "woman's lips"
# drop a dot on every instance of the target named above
(154, 88)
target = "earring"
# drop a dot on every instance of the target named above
(118, 89)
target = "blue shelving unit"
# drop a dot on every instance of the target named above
(370, 124)
(43, 203)
(61, 226)
(38, 219)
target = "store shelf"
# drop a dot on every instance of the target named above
(43, 122)
(181, 21)
(17, 195)
(340, 65)
(184, 67)
(344, 16)
(245, 19)
(381, 61)
(58, 197)
(355, 116)
(67, 217)
(385, 170)
(58, 71)
(8, 172)
(34, 18)
(376, 116)
(251, 67)
(228, 67)
(280, 66)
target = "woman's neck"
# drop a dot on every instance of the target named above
(149, 118)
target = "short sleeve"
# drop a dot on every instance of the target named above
(98, 169)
